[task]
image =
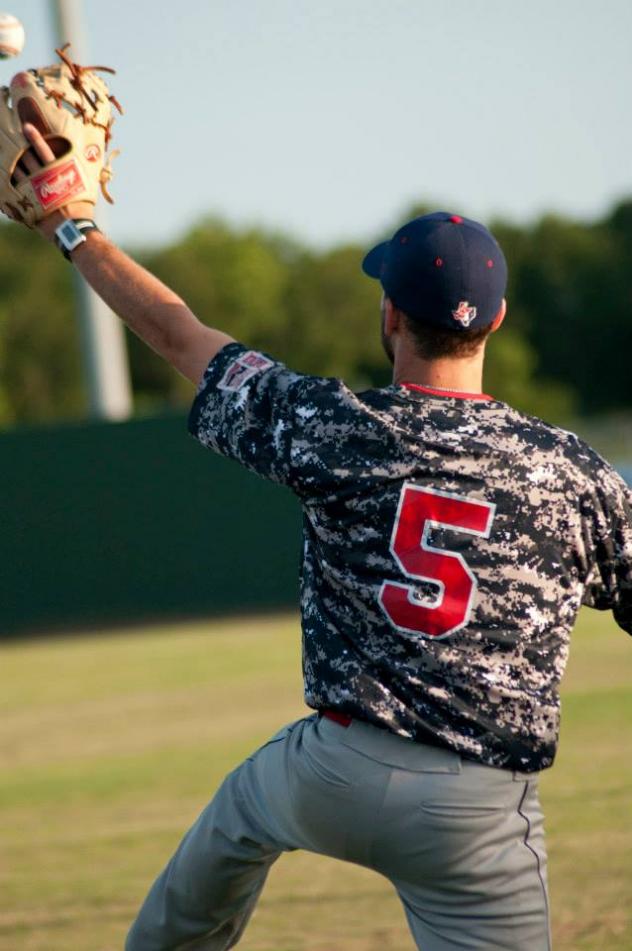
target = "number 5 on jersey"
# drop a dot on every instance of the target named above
(419, 511)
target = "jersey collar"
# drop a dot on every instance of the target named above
(452, 394)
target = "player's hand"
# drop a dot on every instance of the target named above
(62, 111)
(39, 155)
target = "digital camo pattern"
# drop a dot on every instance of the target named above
(561, 535)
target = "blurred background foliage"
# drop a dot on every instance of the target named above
(563, 353)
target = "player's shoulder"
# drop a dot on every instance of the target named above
(541, 432)
(327, 395)
(576, 458)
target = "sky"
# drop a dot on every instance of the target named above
(328, 119)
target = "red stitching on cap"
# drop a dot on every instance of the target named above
(439, 262)
(456, 219)
(490, 263)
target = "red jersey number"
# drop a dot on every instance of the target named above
(419, 511)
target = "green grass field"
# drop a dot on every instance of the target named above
(111, 744)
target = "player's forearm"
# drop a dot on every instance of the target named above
(148, 307)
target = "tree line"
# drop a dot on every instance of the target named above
(563, 352)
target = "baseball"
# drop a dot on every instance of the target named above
(11, 36)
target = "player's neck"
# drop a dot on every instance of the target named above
(462, 376)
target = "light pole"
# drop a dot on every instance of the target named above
(103, 347)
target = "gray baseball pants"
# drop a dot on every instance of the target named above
(463, 844)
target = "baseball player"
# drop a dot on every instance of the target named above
(449, 542)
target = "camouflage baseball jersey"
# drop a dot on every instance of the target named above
(449, 542)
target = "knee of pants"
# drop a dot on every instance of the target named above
(224, 838)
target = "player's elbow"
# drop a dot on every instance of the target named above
(193, 347)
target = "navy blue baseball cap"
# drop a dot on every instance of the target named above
(442, 269)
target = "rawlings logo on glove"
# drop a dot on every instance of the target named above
(72, 107)
(53, 185)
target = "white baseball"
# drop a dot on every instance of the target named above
(11, 36)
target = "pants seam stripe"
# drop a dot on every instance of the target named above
(524, 816)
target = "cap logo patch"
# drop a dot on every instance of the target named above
(464, 314)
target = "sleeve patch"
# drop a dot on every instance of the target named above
(242, 369)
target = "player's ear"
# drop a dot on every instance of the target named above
(500, 316)
(392, 316)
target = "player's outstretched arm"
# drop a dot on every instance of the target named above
(153, 311)
(148, 307)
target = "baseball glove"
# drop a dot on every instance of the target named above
(72, 108)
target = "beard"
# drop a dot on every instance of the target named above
(386, 343)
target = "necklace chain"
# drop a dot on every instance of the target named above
(444, 389)
(435, 386)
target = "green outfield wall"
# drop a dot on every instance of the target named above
(107, 523)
